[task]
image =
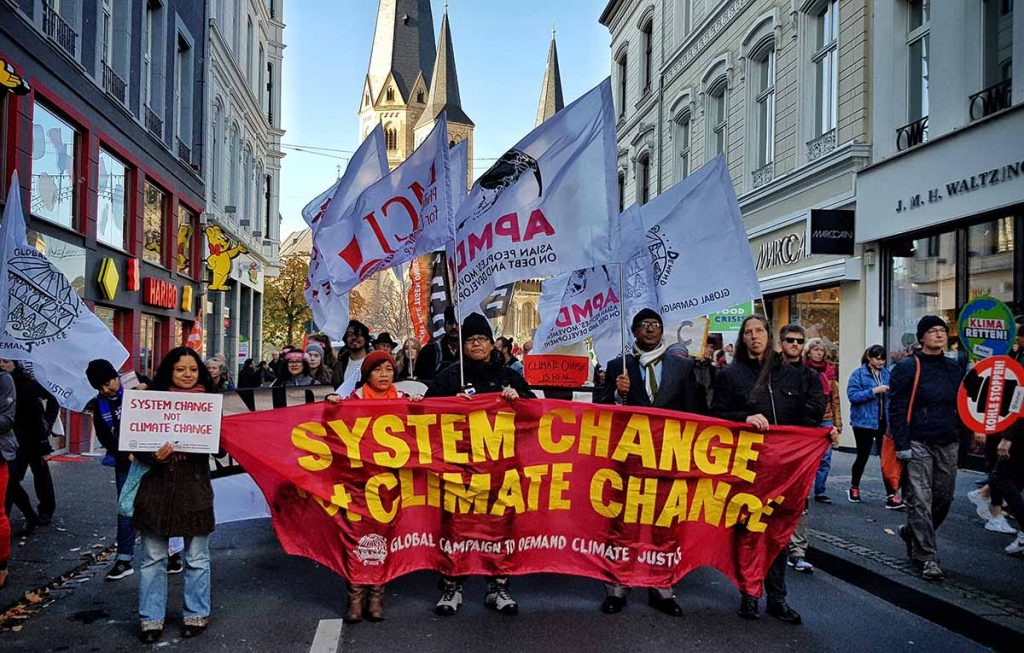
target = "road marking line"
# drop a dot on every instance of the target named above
(328, 636)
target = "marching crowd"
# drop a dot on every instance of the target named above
(906, 412)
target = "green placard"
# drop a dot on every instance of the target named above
(729, 320)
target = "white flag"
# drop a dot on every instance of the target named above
(544, 207)
(404, 215)
(698, 247)
(459, 163)
(367, 166)
(44, 322)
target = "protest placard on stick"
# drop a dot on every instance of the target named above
(190, 420)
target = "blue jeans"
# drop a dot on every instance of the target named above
(824, 467)
(125, 530)
(153, 578)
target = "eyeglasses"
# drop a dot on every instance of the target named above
(650, 324)
(794, 341)
(477, 340)
(934, 331)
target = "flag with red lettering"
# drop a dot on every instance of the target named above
(419, 297)
(544, 207)
(404, 215)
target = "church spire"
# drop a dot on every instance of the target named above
(551, 100)
(444, 84)
(403, 46)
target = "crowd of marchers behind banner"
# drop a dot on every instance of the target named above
(905, 412)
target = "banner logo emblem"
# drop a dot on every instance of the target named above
(662, 253)
(372, 550)
(504, 174)
(43, 304)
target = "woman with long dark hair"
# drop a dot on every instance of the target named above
(295, 371)
(319, 371)
(868, 392)
(175, 498)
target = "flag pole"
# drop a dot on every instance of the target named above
(622, 315)
(458, 318)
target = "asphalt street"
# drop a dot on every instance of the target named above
(265, 600)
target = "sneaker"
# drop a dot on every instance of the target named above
(801, 565)
(1000, 525)
(121, 569)
(893, 502)
(499, 598)
(931, 571)
(451, 599)
(174, 565)
(1016, 547)
(982, 504)
(822, 498)
(853, 495)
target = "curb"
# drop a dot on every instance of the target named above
(981, 616)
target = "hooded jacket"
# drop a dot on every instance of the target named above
(788, 395)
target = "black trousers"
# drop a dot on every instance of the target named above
(1007, 481)
(41, 480)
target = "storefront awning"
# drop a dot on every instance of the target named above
(813, 276)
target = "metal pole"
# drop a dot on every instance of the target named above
(458, 318)
(622, 315)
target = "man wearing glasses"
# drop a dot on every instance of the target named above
(651, 379)
(925, 429)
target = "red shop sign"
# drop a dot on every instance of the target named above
(156, 292)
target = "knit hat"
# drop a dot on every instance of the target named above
(99, 372)
(643, 315)
(929, 322)
(295, 355)
(476, 325)
(315, 348)
(374, 360)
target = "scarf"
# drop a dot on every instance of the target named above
(827, 372)
(367, 392)
(110, 414)
(649, 361)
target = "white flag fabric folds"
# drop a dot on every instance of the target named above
(367, 166)
(544, 207)
(404, 215)
(458, 157)
(44, 322)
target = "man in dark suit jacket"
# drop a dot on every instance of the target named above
(655, 379)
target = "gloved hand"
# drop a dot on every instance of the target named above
(904, 454)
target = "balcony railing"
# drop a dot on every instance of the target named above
(764, 174)
(154, 123)
(994, 98)
(913, 134)
(184, 151)
(112, 83)
(58, 29)
(821, 145)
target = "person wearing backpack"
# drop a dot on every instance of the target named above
(440, 352)
(926, 432)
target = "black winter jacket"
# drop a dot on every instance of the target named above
(32, 421)
(489, 376)
(934, 419)
(792, 394)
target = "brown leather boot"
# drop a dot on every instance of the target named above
(354, 613)
(375, 605)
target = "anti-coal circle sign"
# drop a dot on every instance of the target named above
(991, 394)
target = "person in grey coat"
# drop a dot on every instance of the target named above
(8, 452)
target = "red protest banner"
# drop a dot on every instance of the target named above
(418, 297)
(556, 370)
(375, 490)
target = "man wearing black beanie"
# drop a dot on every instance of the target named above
(926, 431)
(482, 372)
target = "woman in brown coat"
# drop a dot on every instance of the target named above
(175, 498)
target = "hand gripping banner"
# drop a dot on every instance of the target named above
(375, 490)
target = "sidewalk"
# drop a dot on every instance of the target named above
(983, 594)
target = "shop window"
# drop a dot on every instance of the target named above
(106, 316)
(112, 205)
(54, 159)
(66, 257)
(923, 282)
(179, 333)
(817, 311)
(185, 237)
(990, 259)
(149, 344)
(153, 225)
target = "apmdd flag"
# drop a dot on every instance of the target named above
(404, 215)
(639, 496)
(366, 167)
(544, 207)
(44, 321)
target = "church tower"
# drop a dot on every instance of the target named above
(444, 96)
(401, 65)
(551, 100)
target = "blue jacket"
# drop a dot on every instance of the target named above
(934, 419)
(863, 401)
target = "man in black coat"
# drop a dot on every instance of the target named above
(482, 371)
(439, 352)
(652, 379)
(761, 389)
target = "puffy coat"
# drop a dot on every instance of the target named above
(934, 419)
(863, 401)
(488, 376)
(792, 395)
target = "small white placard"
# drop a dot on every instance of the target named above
(130, 380)
(189, 420)
(1017, 400)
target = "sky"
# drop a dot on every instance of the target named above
(501, 49)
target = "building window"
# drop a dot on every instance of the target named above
(643, 178)
(153, 208)
(185, 236)
(183, 98)
(216, 129)
(270, 94)
(681, 143)
(391, 138)
(764, 106)
(233, 155)
(419, 97)
(997, 41)
(260, 67)
(248, 51)
(248, 196)
(152, 60)
(112, 205)
(621, 72)
(826, 63)
(683, 19)
(266, 207)
(647, 43)
(917, 72)
(54, 165)
(236, 26)
(389, 95)
(107, 27)
(717, 120)
(149, 342)
(990, 259)
(923, 282)
(622, 192)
